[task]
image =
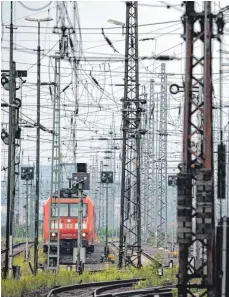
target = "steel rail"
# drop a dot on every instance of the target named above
(14, 254)
(165, 291)
(143, 254)
(90, 285)
(149, 293)
(16, 245)
(98, 291)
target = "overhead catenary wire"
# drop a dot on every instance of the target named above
(34, 9)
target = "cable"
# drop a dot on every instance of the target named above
(2, 35)
(35, 9)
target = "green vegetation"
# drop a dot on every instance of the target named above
(47, 280)
(20, 261)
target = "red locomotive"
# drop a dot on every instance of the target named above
(69, 224)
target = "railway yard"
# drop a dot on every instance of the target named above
(114, 148)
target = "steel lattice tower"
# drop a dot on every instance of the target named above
(144, 176)
(130, 215)
(151, 181)
(196, 222)
(54, 222)
(162, 165)
(101, 201)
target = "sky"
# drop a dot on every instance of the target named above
(99, 107)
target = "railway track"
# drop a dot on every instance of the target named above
(17, 249)
(144, 254)
(90, 289)
(120, 288)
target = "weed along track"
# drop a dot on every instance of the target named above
(122, 288)
(91, 289)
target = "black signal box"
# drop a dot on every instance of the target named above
(81, 176)
(107, 177)
(27, 173)
(82, 167)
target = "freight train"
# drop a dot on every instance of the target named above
(69, 204)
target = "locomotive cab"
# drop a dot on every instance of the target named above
(68, 224)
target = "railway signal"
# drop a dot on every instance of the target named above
(10, 138)
(172, 180)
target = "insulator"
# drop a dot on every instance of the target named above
(71, 43)
(164, 58)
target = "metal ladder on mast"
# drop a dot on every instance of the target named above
(54, 215)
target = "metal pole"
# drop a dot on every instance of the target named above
(114, 188)
(99, 211)
(27, 222)
(31, 210)
(227, 212)
(224, 256)
(54, 221)
(37, 158)
(106, 244)
(10, 148)
(166, 174)
(138, 146)
(220, 108)
(124, 153)
(79, 245)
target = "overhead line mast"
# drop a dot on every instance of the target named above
(196, 216)
(54, 221)
(130, 215)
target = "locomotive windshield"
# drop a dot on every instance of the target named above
(63, 211)
(74, 210)
(70, 210)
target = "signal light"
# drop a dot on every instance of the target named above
(5, 83)
(5, 137)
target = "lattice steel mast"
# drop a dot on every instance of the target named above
(151, 182)
(54, 222)
(130, 215)
(196, 223)
(162, 165)
(144, 175)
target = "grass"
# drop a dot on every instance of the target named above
(47, 280)
(20, 260)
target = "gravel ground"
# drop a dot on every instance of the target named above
(79, 293)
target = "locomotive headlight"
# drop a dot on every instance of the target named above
(84, 234)
(53, 234)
